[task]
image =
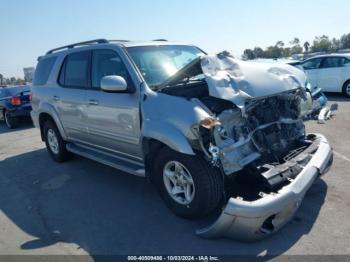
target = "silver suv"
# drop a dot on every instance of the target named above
(215, 134)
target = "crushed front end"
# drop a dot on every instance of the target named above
(267, 159)
(254, 133)
(268, 163)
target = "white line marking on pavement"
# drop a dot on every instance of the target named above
(341, 156)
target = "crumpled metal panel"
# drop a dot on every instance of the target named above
(251, 221)
(236, 80)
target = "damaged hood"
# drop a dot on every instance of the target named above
(236, 80)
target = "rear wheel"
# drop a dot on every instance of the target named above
(346, 88)
(189, 185)
(55, 145)
(11, 122)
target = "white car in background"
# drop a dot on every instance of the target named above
(329, 72)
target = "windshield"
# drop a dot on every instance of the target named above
(158, 63)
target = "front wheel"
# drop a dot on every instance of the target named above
(346, 88)
(189, 185)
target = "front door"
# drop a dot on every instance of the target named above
(113, 118)
(311, 68)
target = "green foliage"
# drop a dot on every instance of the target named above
(345, 41)
(320, 44)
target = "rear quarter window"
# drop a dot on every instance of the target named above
(43, 70)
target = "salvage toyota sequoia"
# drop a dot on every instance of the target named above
(219, 137)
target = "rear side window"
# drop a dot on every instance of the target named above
(43, 70)
(330, 62)
(75, 70)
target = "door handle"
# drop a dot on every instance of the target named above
(56, 98)
(93, 102)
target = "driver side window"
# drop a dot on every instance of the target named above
(312, 64)
(106, 63)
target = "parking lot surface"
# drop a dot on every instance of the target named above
(83, 207)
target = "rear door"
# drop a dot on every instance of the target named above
(311, 68)
(113, 119)
(70, 100)
(330, 74)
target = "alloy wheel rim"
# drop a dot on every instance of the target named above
(347, 89)
(53, 142)
(178, 182)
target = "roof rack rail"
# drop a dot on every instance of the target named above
(118, 40)
(162, 40)
(95, 41)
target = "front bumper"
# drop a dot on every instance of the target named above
(254, 220)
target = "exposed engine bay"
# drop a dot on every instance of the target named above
(259, 134)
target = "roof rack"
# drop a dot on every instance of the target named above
(95, 41)
(118, 40)
(162, 40)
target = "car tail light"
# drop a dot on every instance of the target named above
(30, 97)
(15, 100)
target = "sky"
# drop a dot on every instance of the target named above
(29, 28)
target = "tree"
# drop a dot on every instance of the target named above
(321, 44)
(286, 52)
(336, 45)
(273, 52)
(295, 41)
(297, 49)
(279, 44)
(306, 46)
(258, 52)
(345, 41)
(248, 54)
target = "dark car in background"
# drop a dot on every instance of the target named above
(15, 104)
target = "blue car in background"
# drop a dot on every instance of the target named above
(15, 104)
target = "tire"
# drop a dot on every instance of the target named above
(346, 88)
(208, 187)
(55, 145)
(10, 122)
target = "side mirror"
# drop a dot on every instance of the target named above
(113, 84)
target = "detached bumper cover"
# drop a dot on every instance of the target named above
(250, 221)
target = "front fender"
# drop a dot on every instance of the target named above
(168, 135)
